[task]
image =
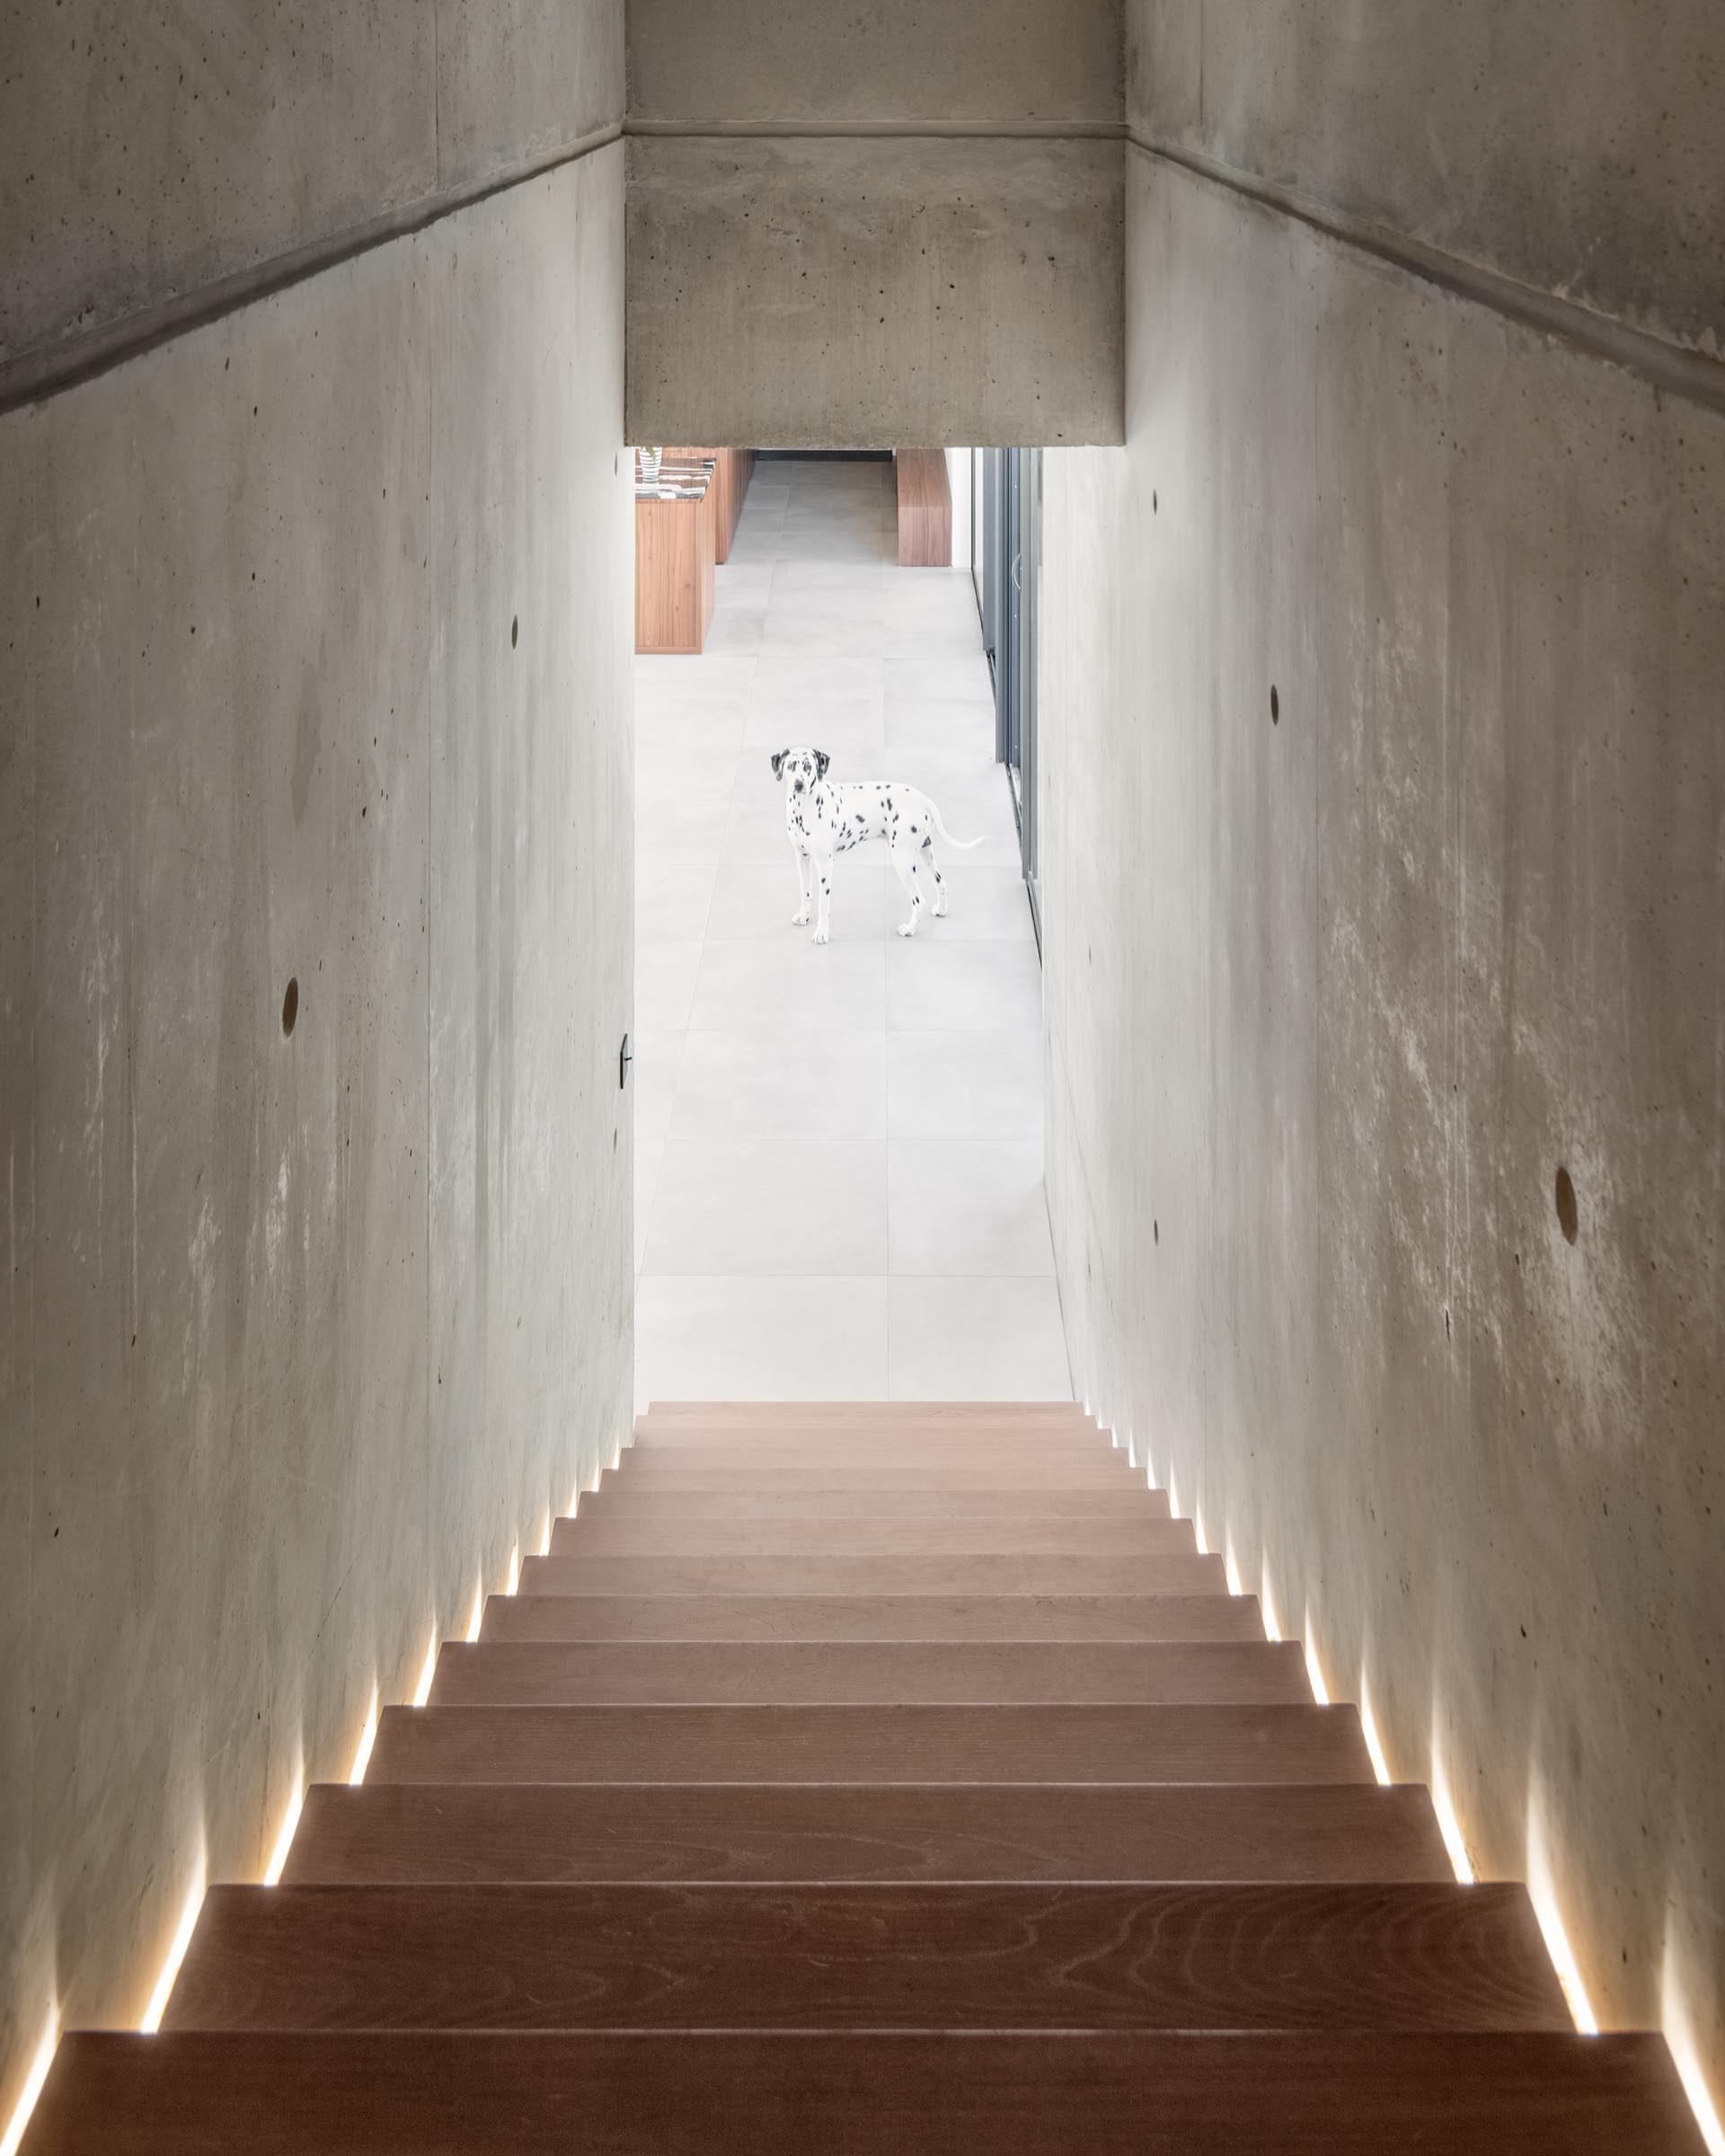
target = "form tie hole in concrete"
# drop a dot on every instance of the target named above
(290, 1006)
(1154, 505)
(1156, 1232)
(1567, 1217)
(1275, 706)
(515, 632)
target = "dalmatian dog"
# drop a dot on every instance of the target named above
(825, 820)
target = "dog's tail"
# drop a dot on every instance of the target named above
(939, 822)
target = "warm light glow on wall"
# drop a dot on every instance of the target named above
(1448, 1825)
(1368, 1729)
(1230, 1567)
(476, 1615)
(514, 1581)
(423, 1689)
(285, 1838)
(574, 1504)
(159, 1997)
(1174, 1494)
(1314, 1668)
(1542, 1892)
(1266, 1602)
(544, 1546)
(1198, 1530)
(368, 1738)
(1684, 2053)
(32, 2087)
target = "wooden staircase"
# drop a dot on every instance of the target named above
(867, 1780)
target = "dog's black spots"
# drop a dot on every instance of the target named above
(1569, 1213)
(290, 1008)
(1275, 706)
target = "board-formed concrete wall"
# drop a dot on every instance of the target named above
(153, 154)
(316, 635)
(1383, 877)
(865, 227)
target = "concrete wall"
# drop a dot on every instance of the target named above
(151, 153)
(1334, 993)
(316, 625)
(864, 228)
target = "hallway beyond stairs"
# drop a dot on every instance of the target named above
(867, 1778)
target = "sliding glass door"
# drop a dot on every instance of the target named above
(1006, 559)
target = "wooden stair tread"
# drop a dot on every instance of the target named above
(426, 1833)
(921, 1414)
(476, 2094)
(808, 1617)
(687, 1469)
(789, 1444)
(740, 1956)
(589, 1534)
(618, 1499)
(997, 1574)
(870, 1744)
(779, 1672)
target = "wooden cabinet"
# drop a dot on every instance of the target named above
(674, 570)
(925, 509)
(679, 542)
(732, 471)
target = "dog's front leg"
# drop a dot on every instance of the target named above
(800, 919)
(824, 878)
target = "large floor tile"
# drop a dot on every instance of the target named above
(942, 679)
(796, 1084)
(820, 987)
(764, 1338)
(655, 1072)
(650, 1155)
(665, 979)
(985, 905)
(672, 898)
(852, 729)
(690, 832)
(965, 1085)
(977, 1340)
(966, 987)
(774, 1205)
(757, 898)
(964, 1207)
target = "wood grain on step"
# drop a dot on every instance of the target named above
(716, 1573)
(870, 1744)
(475, 2094)
(706, 1470)
(493, 1674)
(815, 1617)
(963, 1535)
(412, 1833)
(952, 1956)
(618, 1499)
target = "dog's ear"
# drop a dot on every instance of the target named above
(778, 763)
(822, 762)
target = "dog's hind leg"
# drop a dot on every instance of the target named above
(904, 856)
(800, 919)
(932, 868)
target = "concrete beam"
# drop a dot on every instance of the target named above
(845, 292)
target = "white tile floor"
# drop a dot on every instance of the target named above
(838, 1189)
